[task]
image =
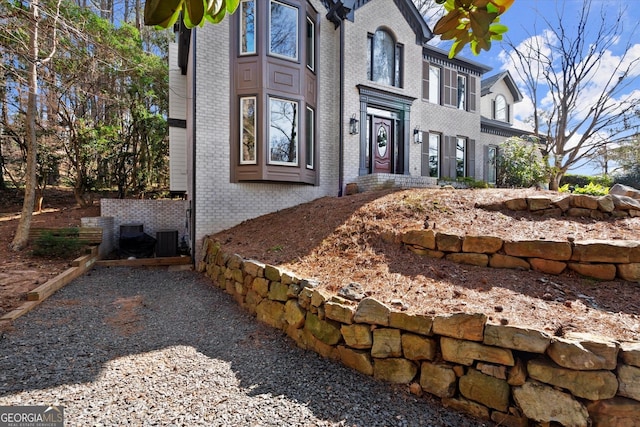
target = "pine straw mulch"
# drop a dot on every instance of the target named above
(350, 239)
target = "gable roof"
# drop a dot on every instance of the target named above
(406, 7)
(488, 83)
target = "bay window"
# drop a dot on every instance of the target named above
(283, 30)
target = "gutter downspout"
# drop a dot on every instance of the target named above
(193, 150)
(341, 113)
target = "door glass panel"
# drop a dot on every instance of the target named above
(382, 140)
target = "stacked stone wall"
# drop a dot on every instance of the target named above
(510, 375)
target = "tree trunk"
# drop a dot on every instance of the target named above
(22, 233)
(554, 184)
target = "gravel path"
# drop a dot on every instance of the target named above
(142, 346)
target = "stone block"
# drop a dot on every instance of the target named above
(448, 242)
(579, 213)
(629, 377)
(278, 291)
(508, 420)
(416, 347)
(630, 353)
(546, 249)
(545, 404)
(547, 266)
(597, 271)
(418, 323)
(460, 325)
(426, 252)
(506, 261)
(584, 201)
(438, 379)
(480, 260)
(357, 336)
(319, 297)
(584, 352)
(630, 272)
(254, 268)
(386, 343)
(356, 359)
(485, 389)
(519, 204)
(261, 286)
(372, 311)
(326, 331)
(619, 412)
(482, 244)
(397, 371)
(538, 203)
(516, 338)
(423, 238)
(272, 273)
(517, 374)
(563, 203)
(605, 204)
(608, 251)
(466, 352)
(496, 371)
(592, 385)
(322, 348)
(294, 314)
(271, 313)
(339, 312)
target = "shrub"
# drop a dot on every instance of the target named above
(630, 178)
(591, 189)
(520, 164)
(63, 245)
(585, 180)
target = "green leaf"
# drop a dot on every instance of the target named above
(161, 12)
(195, 12)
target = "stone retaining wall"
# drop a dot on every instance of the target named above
(600, 259)
(511, 375)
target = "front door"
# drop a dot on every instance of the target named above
(382, 138)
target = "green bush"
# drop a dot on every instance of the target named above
(630, 178)
(51, 245)
(591, 189)
(585, 180)
(520, 164)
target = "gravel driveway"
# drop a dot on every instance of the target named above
(148, 346)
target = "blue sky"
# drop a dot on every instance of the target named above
(526, 19)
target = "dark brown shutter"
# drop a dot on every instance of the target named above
(471, 157)
(472, 93)
(425, 80)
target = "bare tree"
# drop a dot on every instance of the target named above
(430, 11)
(581, 92)
(22, 233)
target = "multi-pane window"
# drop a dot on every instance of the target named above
(434, 154)
(310, 141)
(384, 62)
(500, 108)
(461, 146)
(283, 30)
(462, 92)
(434, 84)
(248, 130)
(311, 44)
(283, 132)
(247, 27)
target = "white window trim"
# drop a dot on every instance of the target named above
(297, 142)
(255, 127)
(290, 58)
(242, 27)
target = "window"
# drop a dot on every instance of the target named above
(461, 145)
(500, 108)
(283, 30)
(283, 132)
(384, 63)
(248, 130)
(434, 84)
(434, 154)
(310, 141)
(247, 27)
(311, 44)
(492, 167)
(462, 92)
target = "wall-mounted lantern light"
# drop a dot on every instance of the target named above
(353, 125)
(417, 135)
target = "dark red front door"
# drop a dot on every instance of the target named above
(382, 145)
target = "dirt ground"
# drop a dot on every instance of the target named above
(20, 272)
(338, 241)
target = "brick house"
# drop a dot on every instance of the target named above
(287, 101)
